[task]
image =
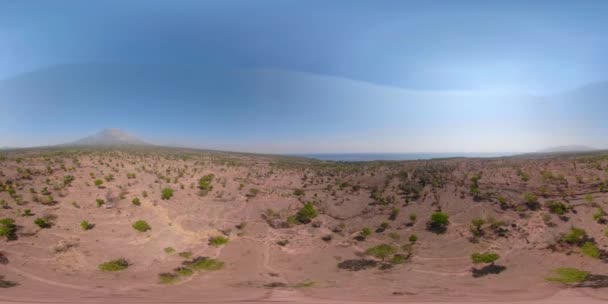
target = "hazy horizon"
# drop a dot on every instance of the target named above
(289, 77)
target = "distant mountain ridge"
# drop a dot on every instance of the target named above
(109, 137)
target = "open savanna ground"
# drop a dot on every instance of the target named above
(146, 224)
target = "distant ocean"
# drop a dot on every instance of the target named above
(395, 156)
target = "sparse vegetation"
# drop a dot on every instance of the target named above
(166, 193)
(204, 263)
(381, 251)
(306, 214)
(141, 226)
(114, 265)
(569, 276)
(168, 278)
(204, 183)
(85, 225)
(439, 222)
(43, 222)
(7, 228)
(217, 241)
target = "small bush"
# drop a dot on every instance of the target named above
(205, 183)
(167, 193)
(184, 271)
(531, 201)
(307, 213)
(381, 251)
(8, 228)
(439, 222)
(27, 212)
(413, 238)
(85, 225)
(217, 241)
(67, 180)
(476, 225)
(98, 182)
(204, 263)
(136, 201)
(169, 250)
(168, 278)
(185, 254)
(556, 207)
(366, 231)
(576, 236)
(394, 214)
(100, 202)
(114, 265)
(43, 222)
(591, 250)
(488, 257)
(141, 226)
(298, 192)
(569, 276)
(399, 259)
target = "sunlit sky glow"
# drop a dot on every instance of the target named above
(307, 76)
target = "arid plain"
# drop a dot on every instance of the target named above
(156, 225)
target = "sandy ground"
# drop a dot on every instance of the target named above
(60, 264)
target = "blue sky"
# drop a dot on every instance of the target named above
(377, 76)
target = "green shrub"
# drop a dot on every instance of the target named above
(168, 278)
(598, 216)
(488, 257)
(27, 212)
(167, 193)
(85, 225)
(366, 231)
(413, 238)
(67, 180)
(169, 250)
(439, 222)
(184, 271)
(205, 183)
(141, 226)
(43, 222)
(204, 263)
(217, 241)
(556, 207)
(130, 175)
(399, 259)
(381, 251)
(590, 249)
(307, 213)
(185, 254)
(298, 192)
(569, 276)
(136, 201)
(476, 225)
(114, 265)
(7, 228)
(413, 217)
(576, 236)
(394, 213)
(100, 202)
(531, 201)
(98, 182)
